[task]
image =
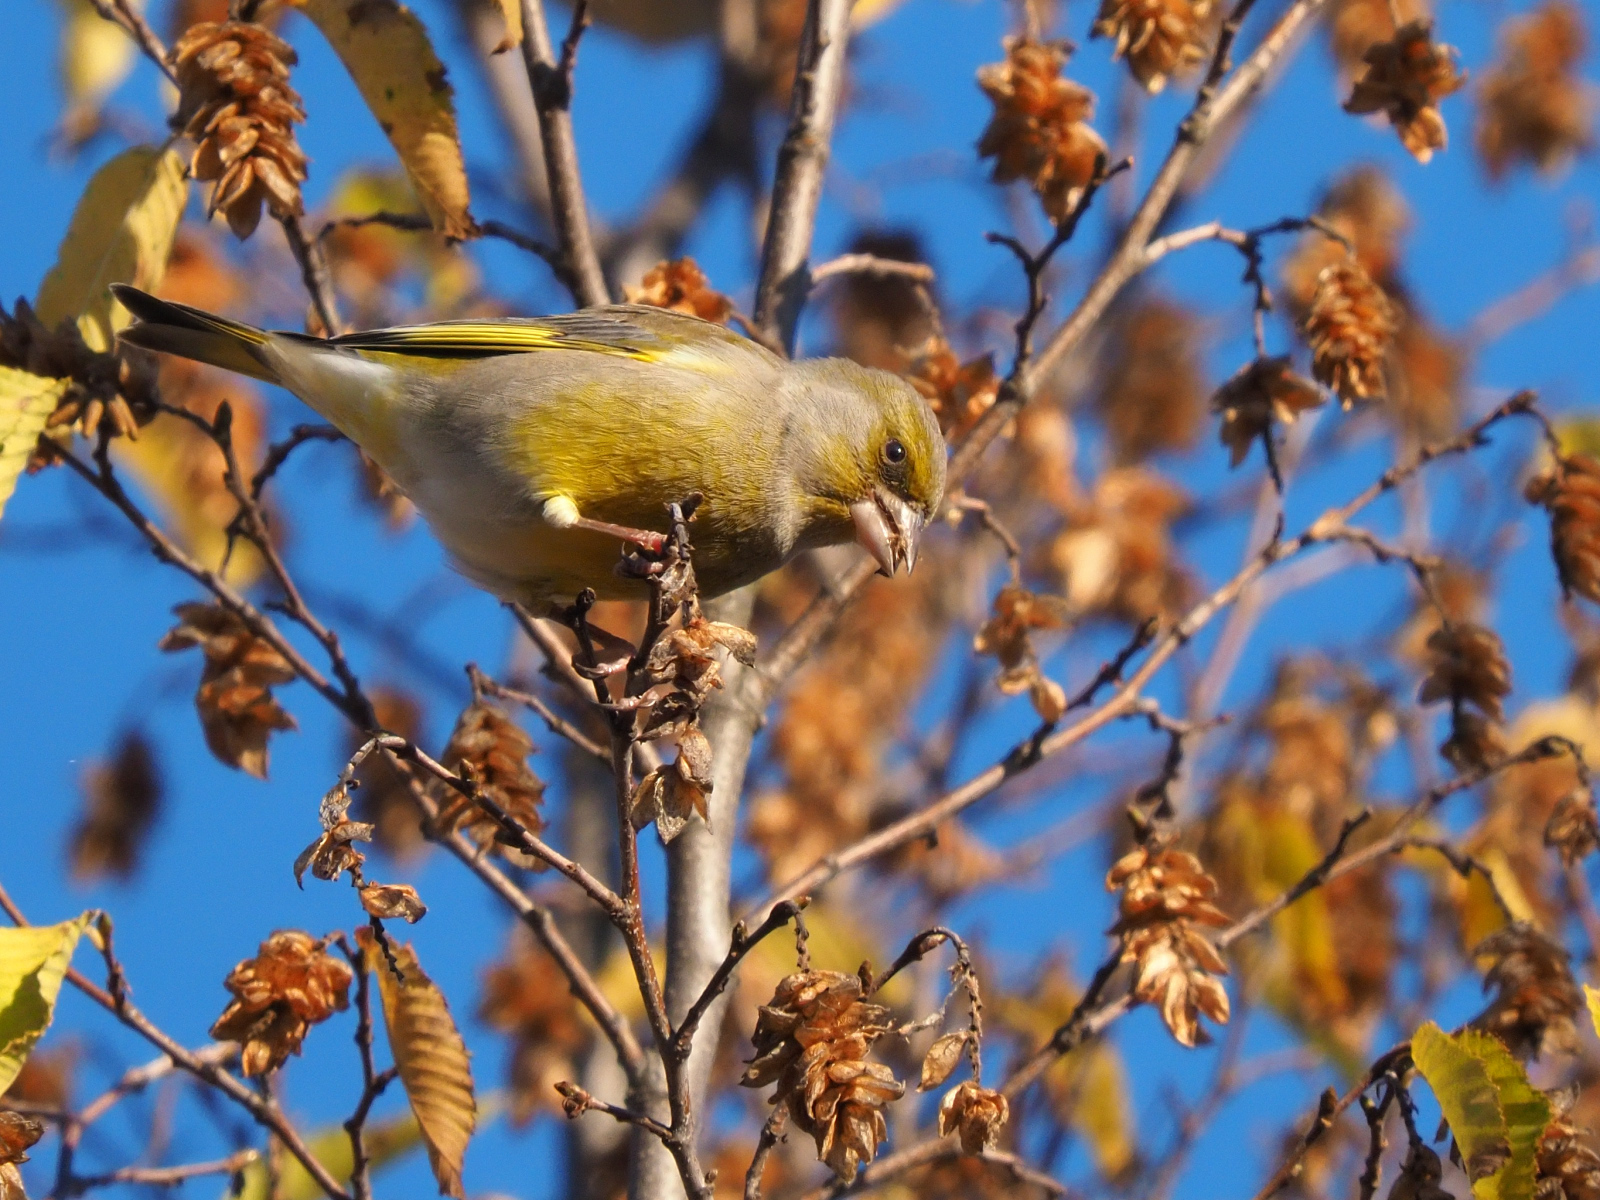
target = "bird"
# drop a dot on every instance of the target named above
(535, 447)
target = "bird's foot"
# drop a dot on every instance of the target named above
(647, 540)
(671, 550)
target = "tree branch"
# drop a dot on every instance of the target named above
(550, 80)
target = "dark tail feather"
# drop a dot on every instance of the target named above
(193, 333)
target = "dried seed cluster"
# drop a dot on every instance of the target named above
(1040, 130)
(1267, 391)
(1159, 38)
(1405, 78)
(1116, 557)
(238, 711)
(958, 392)
(109, 394)
(1166, 898)
(680, 285)
(239, 109)
(1353, 26)
(17, 1133)
(1468, 666)
(527, 997)
(292, 984)
(121, 799)
(1535, 997)
(1349, 326)
(491, 749)
(1573, 829)
(1152, 389)
(1570, 492)
(813, 1039)
(1006, 635)
(1534, 105)
(975, 1113)
(1567, 1165)
(684, 664)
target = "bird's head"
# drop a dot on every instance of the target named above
(870, 459)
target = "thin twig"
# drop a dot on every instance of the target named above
(120, 12)
(166, 1176)
(206, 1069)
(1045, 742)
(550, 80)
(802, 161)
(315, 274)
(771, 1132)
(553, 720)
(743, 942)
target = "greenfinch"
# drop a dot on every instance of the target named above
(533, 445)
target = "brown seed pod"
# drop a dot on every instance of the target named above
(239, 109)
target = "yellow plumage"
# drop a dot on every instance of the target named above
(528, 444)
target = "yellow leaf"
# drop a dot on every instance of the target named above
(511, 10)
(1100, 1110)
(26, 401)
(1496, 1116)
(387, 52)
(1480, 912)
(431, 1058)
(121, 232)
(96, 56)
(1305, 929)
(1526, 1110)
(386, 1142)
(33, 962)
(182, 470)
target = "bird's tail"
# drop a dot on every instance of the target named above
(194, 333)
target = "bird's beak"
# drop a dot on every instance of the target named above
(888, 529)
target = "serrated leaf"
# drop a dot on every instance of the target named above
(387, 52)
(1496, 1116)
(121, 232)
(33, 962)
(1526, 1111)
(26, 401)
(941, 1059)
(430, 1056)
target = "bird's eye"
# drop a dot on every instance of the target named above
(894, 451)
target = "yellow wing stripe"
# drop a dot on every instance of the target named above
(468, 340)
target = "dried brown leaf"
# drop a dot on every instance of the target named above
(388, 901)
(121, 799)
(388, 53)
(941, 1059)
(430, 1056)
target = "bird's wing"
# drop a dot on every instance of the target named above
(627, 331)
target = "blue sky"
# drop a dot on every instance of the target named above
(82, 614)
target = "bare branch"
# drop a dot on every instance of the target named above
(165, 1176)
(550, 80)
(802, 161)
(208, 1069)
